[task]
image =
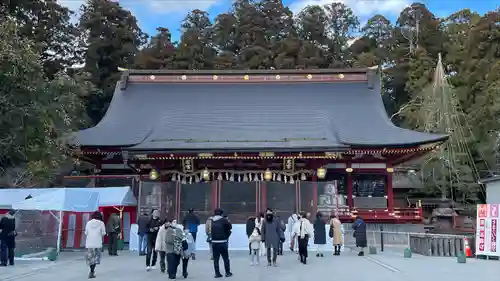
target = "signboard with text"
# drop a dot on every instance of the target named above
(487, 229)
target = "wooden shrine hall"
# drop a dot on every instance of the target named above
(312, 140)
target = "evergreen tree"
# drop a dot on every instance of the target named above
(159, 53)
(195, 49)
(112, 39)
(48, 25)
(36, 113)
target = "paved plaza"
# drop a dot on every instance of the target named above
(387, 266)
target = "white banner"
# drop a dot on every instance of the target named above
(487, 230)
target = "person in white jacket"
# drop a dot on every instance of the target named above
(291, 222)
(94, 232)
(303, 230)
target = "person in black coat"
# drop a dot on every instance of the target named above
(7, 238)
(359, 227)
(221, 231)
(282, 229)
(153, 226)
(319, 234)
(142, 233)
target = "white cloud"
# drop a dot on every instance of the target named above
(361, 8)
(179, 6)
(155, 6)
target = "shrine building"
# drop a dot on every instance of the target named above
(312, 140)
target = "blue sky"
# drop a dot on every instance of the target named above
(169, 13)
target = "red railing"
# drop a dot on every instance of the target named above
(378, 215)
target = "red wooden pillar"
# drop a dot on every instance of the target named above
(263, 196)
(390, 192)
(215, 194)
(350, 199)
(177, 200)
(314, 200)
(297, 197)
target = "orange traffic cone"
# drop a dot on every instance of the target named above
(468, 252)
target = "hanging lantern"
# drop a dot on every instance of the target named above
(268, 175)
(154, 175)
(205, 174)
(321, 173)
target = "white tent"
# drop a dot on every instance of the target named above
(114, 196)
(61, 200)
(108, 196)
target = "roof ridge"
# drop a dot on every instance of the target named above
(245, 71)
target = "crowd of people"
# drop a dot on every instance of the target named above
(175, 244)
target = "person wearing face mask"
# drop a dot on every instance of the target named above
(303, 230)
(272, 234)
(153, 226)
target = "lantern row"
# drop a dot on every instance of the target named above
(238, 176)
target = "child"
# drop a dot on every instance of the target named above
(186, 254)
(255, 241)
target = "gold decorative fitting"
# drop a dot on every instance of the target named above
(152, 77)
(309, 76)
(183, 77)
(349, 170)
(278, 77)
(246, 77)
(390, 170)
(288, 164)
(215, 77)
(341, 76)
(187, 165)
(321, 173)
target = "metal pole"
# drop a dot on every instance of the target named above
(381, 238)
(59, 232)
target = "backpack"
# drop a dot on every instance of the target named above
(178, 245)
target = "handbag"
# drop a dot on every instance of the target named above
(330, 232)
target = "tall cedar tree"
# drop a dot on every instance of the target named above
(112, 39)
(48, 25)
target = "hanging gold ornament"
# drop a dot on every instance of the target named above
(154, 175)
(205, 174)
(268, 175)
(321, 173)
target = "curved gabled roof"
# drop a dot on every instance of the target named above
(245, 116)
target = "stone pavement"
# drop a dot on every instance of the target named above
(387, 266)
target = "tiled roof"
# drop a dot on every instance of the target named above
(245, 116)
